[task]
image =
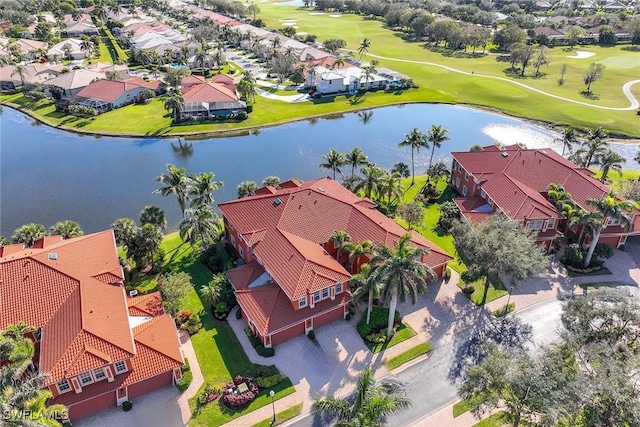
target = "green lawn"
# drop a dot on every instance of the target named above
(499, 419)
(461, 407)
(220, 354)
(404, 333)
(602, 285)
(281, 417)
(408, 355)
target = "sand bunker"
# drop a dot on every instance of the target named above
(335, 16)
(582, 54)
(302, 33)
(289, 24)
(316, 13)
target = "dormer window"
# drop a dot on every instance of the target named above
(85, 378)
(121, 366)
(302, 302)
(63, 386)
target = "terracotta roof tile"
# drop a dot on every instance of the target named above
(242, 276)
(146, 305)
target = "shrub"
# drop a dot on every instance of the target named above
(209, 394)
(469, 289)
(265, 351)
(185, 381)
(447, 275)
(378, 321)
(379, 337)
(221, 309)
(186, 367)
(603, 251)
(192, 324)
(312, 335)
(235, 400)
(127, 405)
(269, 382)
(573, 256)
(183, 316)
(501, 312)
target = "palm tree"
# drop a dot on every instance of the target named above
(176, 182)
(401, 169)
(369, 406)
(210, 293)
(333, 161)
(568, 137)
(174, 102)
(339, 238)
(202, 188)
(200, 224)
(390, 185)
(219, 59)
(66, 229)
(247, 86)
(558, 196)
(401, 273)
(610, 160)
(272, 181)
(21, 71)
(416, 140)
(338, 63)
(355, 158)
(28, 234)
(594, 146)
(153, 215)
(246, 189)
(356, 251)
(436, 136)
(607, 208)
(364, 47)
(86, 46)
(364, 287)
(371, 180)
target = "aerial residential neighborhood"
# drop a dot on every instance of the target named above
(317, 213)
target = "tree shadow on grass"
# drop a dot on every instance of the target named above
(589, 95)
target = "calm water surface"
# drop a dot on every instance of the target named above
(47, 175)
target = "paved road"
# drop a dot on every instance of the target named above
(428, 381)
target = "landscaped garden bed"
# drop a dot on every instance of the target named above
(374, 333)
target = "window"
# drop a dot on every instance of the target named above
(63, 386)
(37, 334)
(466, 176)
(551, 223)
(464, 190)
(490, 202)
(233, 240)
(325, 293)
(85, 378)
(612, 221)
(316, 296)
(483, 193)
(457, 182)
(459, 167)
(98, 374)
(121, 366)
(338, 288)
(241, 252)
(535, 224)
(302, 302)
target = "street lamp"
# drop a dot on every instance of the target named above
(273, 405)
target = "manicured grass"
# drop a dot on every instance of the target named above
(281, 417)
(499, 419)
(408, 355)
(476, 297)
(104, 55)
(403, 333)
(601, 272)
(602, 285)
(461, 407)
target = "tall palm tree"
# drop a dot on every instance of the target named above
(568, 138)
(273, 181)
(202, 188)
(333, 161)
(416, 140)
(339, 238)
(174, 102)
(247, 86)
(610, 160)
(390, 186)
(66, 229)
(211, 292)
(364, 287)
(21, 71)
(363, 49)
(86, 46)
(246, 189)
(355, 158)
(371, 180)
(436, 136)
(356, 251)
(177, 182)
(594, 146)
(401, 273)
(28, 234)
(606, 209)
(368, 407)
(153, 215)
(200, 224)
(338, 63)
(557, 195)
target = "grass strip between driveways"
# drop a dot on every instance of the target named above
(462, 407)
(281, 417)
(408, 355)
(404, 333)
(498, 419)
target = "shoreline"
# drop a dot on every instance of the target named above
(194, 136)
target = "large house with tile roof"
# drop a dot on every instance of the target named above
(210, 99)
(105, 95)
(96, 347)
(514, 180)
(292, 280)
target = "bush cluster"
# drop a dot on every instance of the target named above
(235, 400)
(269, 382)
(127, 405)
(574, 257)
(188, 321)
(209, 394)
(377, 323)
(378, 337)
(468, 290)
(501, 312)
(260, 349)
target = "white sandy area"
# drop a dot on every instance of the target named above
(289, 24)
(335, 16)
(316, 13)
(582, 54)
(302, 33)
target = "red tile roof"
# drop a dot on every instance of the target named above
(209, 92)
(146, 305)
(110, 90)
(287, 228)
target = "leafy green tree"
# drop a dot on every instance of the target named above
(369, 406)
(153, 215)
(415, 140)
(66, 229)
(253, 10)
(438, 170)
(401, 169)
(372, 179)
(177, 182)
(540, 59)
(202, 188)
(28, 234)
(356, 158)
(174, 288)
(211, 292)
(401, 274)
(498, 248)
(413, 213)
(144, 246)
(574, 34)
(334, 45)
(200, 224)
(246, 189)
(606, 209)
(333, 161)
(124, 229)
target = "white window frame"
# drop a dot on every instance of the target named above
(85, 378)
(483, 193)
(316, 296)
(466, 176)
(535, 224)
(63, 389)
(302, 302)
(338, 288)
(459, 167)
(457, 182)
(464, 190)
(120, 363)
(99, 374)
(240, 251)
(325, 293)
(551, 223)
(612, 221)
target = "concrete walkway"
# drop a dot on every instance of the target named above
(189, 353)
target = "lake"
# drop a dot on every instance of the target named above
(48, 175)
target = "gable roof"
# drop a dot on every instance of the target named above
(286, 229)
(209, 92)
(110, 90)
(76, 79)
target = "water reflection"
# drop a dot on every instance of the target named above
(184, 149)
